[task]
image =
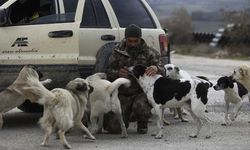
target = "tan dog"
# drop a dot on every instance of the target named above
(103, 99)
(242, 75)
(14, 96)
(65, 109)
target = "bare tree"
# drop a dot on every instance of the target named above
(179, 26)
(238, 37)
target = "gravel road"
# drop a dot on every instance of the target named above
(21, 131)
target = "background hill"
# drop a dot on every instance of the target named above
(206, 14)
(164, 7)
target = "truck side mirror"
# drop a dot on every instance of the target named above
(3, 17)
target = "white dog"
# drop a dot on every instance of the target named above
(103, 99)
(242, 75)
(235, 93)
(13, 96)
(163, 92)
(65, 110)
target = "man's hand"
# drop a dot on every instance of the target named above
(123, 72)
(151, 70)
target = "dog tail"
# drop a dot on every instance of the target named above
(98, 75)
(38, 94)
(205, 79)
(117, 83)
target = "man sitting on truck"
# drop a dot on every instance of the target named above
(131, 51)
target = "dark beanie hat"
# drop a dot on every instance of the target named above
(133, 31)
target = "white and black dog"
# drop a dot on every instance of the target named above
(174, 72)
(163, 92)
(235, 93)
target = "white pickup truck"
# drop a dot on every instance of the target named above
(70, 38)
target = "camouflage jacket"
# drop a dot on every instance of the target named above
(120, 58)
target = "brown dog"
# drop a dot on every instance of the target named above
(14, 96)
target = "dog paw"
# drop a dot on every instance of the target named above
(48, 80)
(184, 120)
(124, 134)
(176, 117)
(232, 117)
(159, 136)
(89, 137)
(153, 134)
(166, 122)
(228, 123)
(208, 137)
(223, 124)
(44, 144)
(66, 146)
(193, 136)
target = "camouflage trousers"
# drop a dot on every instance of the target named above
(135, 106)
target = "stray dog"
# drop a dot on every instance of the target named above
(103, 99)
(163, 92)
(235, 93)
(176, 73)
(65, 110)
(28, 86)
(13, 96)
(242, 75)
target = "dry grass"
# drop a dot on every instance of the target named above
(238, 52)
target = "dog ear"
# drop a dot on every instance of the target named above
(91, 89)
(243, 72)
(81, 87)
(177, 69)
(230, 82)
(138, 70)
(40, 75)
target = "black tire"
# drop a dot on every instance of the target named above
(102, 56)
(29, 107)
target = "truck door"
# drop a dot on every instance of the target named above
(96, 29)
(39, 32)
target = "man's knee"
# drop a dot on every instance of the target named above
(141, 107)
(111, 123)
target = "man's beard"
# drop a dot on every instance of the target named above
(134, 50)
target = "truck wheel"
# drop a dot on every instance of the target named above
(102, 57)
(29, 107)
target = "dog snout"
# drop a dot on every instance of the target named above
(40, 75)
(216, 87)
